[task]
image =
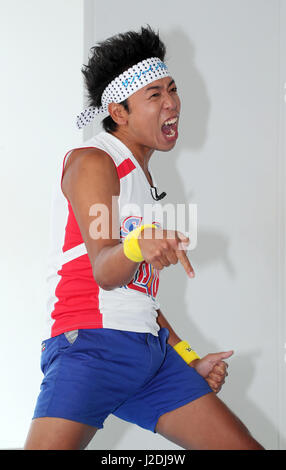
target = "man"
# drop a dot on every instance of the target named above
(109, 348)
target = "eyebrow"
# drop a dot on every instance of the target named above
(158, 87)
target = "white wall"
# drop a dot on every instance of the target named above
(40, 95)
(228, 58)
(282, 232)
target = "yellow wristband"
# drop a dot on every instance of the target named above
(186, 352)
(131, 246)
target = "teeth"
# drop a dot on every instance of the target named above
(171, 121)
(172, 133)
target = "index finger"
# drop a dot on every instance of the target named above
(184, 260)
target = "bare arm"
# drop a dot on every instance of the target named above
(173, 337)
(90, 178)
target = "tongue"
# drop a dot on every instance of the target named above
(168, 129)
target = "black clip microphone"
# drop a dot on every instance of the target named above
(157, 196)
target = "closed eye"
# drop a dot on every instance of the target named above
(175, 89)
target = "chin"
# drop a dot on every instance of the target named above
(169, 144)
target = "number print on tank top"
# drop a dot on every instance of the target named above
(146, 278)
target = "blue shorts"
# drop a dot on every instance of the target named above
(93, 373)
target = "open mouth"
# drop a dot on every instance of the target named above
(169, 128)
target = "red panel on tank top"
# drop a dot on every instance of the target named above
(73, 235)
(77, 291)
(125, 168)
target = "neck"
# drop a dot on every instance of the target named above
(139, 151)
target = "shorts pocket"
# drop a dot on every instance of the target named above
(71, 336)
(54, 347)
(68, 340)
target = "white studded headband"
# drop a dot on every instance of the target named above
(123, 86)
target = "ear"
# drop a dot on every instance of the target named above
(118, 113)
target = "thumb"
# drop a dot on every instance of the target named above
(221, 355)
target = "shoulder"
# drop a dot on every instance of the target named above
(94, 163)
(91, 156)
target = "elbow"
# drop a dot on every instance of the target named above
(102, 283)
(99, 276)
(105, 287)
(107, 280)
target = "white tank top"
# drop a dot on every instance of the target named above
(74, 298)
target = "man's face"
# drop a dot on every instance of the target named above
(150, 107)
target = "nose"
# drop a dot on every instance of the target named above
(171, 101)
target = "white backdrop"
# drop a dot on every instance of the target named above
(228, 59)
(40, 94)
